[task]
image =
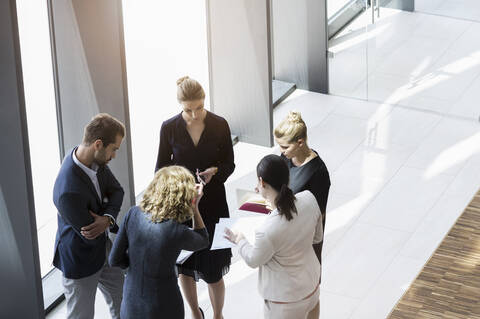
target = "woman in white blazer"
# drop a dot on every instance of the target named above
(289, 271)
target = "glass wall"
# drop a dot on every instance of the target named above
(41, 119)
(164, 40)
(420, 54)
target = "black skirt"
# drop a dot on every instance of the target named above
(208, 265)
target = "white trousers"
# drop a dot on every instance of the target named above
(293, 310)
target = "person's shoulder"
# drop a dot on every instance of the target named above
(134, 216)
(320, 168)
(67, 163)
(171, 121)
(67, 180)
(134, 210)
(217, 118)
(304, 196)
(319, 161)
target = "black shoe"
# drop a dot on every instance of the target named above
(201, 311)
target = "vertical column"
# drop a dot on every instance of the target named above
(240, 67)
(300, 42)
(90, 77)
(21, 286)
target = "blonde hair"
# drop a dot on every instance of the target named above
(292, 128)
(189, 90)
(170, 195)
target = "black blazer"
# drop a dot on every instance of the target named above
(74, 195)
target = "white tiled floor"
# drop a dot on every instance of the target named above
(461, 9)
(413, 59)
(400, 178)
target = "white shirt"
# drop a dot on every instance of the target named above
(92, 174)
(288, 266)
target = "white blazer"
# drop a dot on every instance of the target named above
(288, 267)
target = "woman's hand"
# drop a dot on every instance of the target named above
(199, 190)
(197, 221)
(233, 237)
(208, 174)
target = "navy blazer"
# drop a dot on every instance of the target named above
(74, 195)
(150, 251)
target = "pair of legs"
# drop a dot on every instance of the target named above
(216, 291)
(80, 293)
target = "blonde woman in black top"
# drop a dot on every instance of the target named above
(307, 169)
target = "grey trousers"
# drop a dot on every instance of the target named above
(80, 293)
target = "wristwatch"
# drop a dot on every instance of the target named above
(113, 227)
(112, 221)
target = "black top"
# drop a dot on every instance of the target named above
(213, 149)
(312, 176)
(150, 250)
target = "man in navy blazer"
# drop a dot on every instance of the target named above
(88, 198)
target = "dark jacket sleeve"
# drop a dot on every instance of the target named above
(320, 187)
(226, 164)
(114, 192)
(194, 239)
(119, 253)
(74, 210)
(164, 157)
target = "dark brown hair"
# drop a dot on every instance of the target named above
(103, 127)
(274, 171)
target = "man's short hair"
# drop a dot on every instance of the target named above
(103, 127)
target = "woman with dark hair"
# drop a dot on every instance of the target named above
(289, 271)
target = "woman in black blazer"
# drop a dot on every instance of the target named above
(150, 240)
(200, 141)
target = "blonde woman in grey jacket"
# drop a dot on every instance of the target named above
(289, 271)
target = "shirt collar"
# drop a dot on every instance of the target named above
(91, 172)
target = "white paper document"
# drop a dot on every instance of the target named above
(245, 225)
(184, 254)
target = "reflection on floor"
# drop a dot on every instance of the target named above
(400, 178)
(448, 285)
(414, 59)
(461, 9)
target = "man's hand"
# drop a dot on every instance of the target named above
(98, 227)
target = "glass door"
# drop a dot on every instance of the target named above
(347, 47)
(362, 35)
